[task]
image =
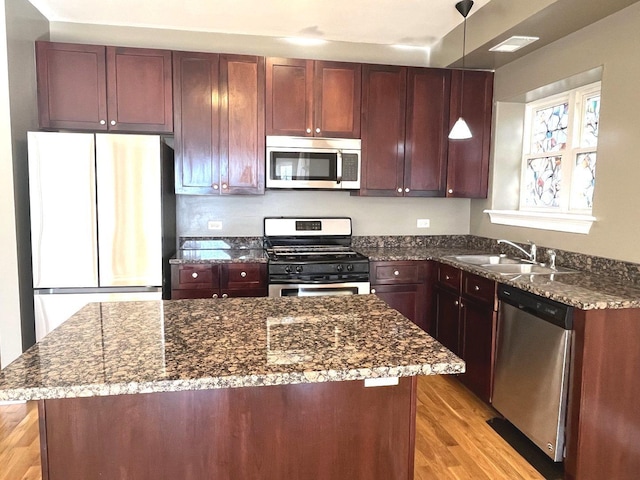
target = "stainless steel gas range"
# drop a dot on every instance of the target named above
(313, 256)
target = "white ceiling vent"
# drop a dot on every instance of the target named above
(513, 43)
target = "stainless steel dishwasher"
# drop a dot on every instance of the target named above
(532, 366)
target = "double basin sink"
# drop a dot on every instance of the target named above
(505, 265)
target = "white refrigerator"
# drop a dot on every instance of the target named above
(102, 221)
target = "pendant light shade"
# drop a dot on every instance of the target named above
(460, 130)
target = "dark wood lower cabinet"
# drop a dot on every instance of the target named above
(447, 306)
(320, 431)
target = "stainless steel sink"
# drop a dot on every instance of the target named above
(486, 259)
(505, 265)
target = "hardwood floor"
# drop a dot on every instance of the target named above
(453, 440)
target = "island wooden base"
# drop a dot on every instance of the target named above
(335, 430)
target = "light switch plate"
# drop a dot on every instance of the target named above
(214, 225)
(423, 223)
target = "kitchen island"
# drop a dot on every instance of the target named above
(266, 388)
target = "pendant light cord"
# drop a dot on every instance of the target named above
(464, 44)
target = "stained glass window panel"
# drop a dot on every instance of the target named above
(590, 121)
(584, 180)
(550, 129)
(542, 182)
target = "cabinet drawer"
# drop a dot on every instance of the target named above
(479, 288)
(194, 293)
(244, 276)
(195, 276)
(397, 272)
(449, 276)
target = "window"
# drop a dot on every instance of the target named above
(560, 151)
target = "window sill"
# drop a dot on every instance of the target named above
(560, 222)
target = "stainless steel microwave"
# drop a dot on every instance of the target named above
(321, 163)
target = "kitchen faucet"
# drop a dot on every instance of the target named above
(531, 255)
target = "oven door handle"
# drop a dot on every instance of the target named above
(316, 282)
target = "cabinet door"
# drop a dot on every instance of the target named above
(408, 299)
(468, 160)
(72, 89)
(196, 123)
(139, 90)
(425, 160)
(242, 124)
(478, 325)
(289, 97)
(447, 306)
(383, 130)
(336, 103)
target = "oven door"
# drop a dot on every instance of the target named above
(319, 289)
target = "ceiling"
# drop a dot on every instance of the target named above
(431, 24)
(407, 22)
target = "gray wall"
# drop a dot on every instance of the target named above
(611, 43)
(18, 113)
(242, 215)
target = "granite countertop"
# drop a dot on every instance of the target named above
(116, 348)
(219, 255)
(586, 291)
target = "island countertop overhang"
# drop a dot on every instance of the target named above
(175, 345)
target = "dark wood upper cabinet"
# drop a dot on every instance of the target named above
(468, 160)
(313, 98)
(97, 88)
(219, 118)
(405, 112)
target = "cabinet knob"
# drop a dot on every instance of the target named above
(450, 190)
(447, 277)
(456, 303)
(407, 190)
(476, 288)
(215, 295)
(396, 273)
(103, 122)
(113, 122)
(399, 189)
(243, 274)
(317, 130)
(225, 295)
(373, 290)
(194, 275)
(215, 186)
(224, 186)
(308, 130)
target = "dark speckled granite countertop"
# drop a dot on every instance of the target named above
(219, 255)
(158, 346)
(583, 290)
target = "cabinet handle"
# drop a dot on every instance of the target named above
(447, 277)
(406, 190)
(225, 295)
(215, 295)
(317, 130)
(113, 122)
(194, 275)
(456, 303)
(476, 288)
(308, 130)
(243, 274)
(373, 290)
(215, 186)
(224, 186)
(103, 122)
(396, 273)
(399, 189)
(450, 190)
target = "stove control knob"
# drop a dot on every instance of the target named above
(299, 269)
(350, 268)
(287, 269)
(339, 268)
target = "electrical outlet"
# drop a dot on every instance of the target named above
(214, 225)
(423, 223)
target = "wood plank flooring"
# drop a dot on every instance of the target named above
(453, 440)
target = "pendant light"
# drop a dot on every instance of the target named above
(460, 130)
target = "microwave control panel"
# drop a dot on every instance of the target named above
(349, 167)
